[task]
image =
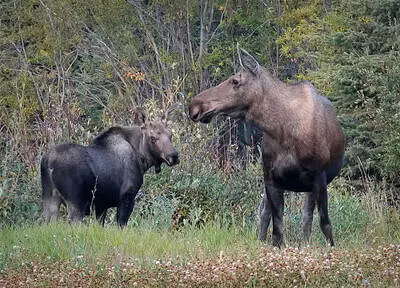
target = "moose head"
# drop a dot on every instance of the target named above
(157, 137)
(233, 97)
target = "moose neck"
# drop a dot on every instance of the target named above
(272, 106)
(146, 158)
(138, 142)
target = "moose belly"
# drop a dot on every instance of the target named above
(108, 193)
(296, 180)
(287, 174)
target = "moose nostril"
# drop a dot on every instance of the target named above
(195, 116)
(175, 158)
(194, 113)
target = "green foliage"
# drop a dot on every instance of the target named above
(201, 194)
(353, 51)
(70, 69)
(241, 22)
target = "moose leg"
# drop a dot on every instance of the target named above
(322, 202)
(75, 212)
(265, 214)
(277, 205)
(52, 206)
(308, 212)
(125, 207)
(101, 214)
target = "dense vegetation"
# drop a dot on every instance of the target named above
(69, 69)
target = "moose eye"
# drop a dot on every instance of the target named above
(153, 139)
(235, 82)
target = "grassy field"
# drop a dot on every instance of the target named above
(63, 255)
(224, 252)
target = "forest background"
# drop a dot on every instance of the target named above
(70, 69)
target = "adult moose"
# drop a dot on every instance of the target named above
(107, 173)
(303, 143)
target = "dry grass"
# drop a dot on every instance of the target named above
(291, 267)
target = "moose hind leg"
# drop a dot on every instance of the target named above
(75, 212)
(52, 206)
(322, 202)
(307, 217)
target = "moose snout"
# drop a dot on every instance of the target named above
(194, 112)
(172, 159)
(203, 107)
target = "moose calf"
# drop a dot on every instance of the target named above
(107, 173)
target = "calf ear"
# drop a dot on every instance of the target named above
(139, 117)
(169, 114)
(247, 61)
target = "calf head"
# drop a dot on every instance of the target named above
(233, 97)
(157, 139)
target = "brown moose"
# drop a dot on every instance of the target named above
(303, 143)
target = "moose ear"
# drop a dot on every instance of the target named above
(139, 117)
(247, 61)
(169, 114)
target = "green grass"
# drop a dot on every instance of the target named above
(224, 252)
(88, 255)
(358, 222)
(61, 241)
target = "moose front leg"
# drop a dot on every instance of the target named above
(101, 214)
(274, 204)
(321, 192)
(277, 205)
(125, 208)
(265, 214)
(308, 212)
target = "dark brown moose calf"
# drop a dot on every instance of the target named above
(107, 173)
(303, 144)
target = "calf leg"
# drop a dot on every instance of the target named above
(101, 214)
(320, 187)
(52, 206)
(308, 212)
(75, 212)
(125, 207)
